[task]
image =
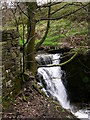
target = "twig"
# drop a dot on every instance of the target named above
(22, 10)
(63, 16)
(60, 8)
(23, 45)
(49, 4)
(47, 29)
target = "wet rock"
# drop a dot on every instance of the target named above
(78, 77)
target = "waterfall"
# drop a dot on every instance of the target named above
(52, 77)
(51, 80)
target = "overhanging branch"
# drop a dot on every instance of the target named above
(61, 64)
(63, 16)
(60, 8)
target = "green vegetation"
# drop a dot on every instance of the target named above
(61, 30)
(51, 41)
(58, 32)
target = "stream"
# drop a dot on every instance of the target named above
(52, 79)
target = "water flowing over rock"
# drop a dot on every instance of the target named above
(52, 79)
(53, 82)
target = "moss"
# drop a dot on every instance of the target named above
(41, 87)
(9, 97)
(56, 103)
(7, 101)
(25, 98)
(38, 89)
(26, 76)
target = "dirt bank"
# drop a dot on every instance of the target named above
(31, 104)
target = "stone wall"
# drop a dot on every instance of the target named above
(11, 68)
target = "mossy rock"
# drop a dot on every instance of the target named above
(39, 90)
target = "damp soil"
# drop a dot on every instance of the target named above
(31, 104)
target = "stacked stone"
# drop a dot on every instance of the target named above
(10, 63)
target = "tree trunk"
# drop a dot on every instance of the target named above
(30, 49)
(88, 24)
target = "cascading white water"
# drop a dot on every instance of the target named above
(52, 77)
(53, 85)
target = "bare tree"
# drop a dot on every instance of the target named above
(31, 10)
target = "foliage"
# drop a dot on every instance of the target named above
(21, 35)
(21, 41)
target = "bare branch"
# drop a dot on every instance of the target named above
(63, 16)
(23, 44)
(49, 4)
(59, 9)
(15, 18)
(22, 10)
(47, 29)
(66, 5)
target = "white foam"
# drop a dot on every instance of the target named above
(54, 86)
